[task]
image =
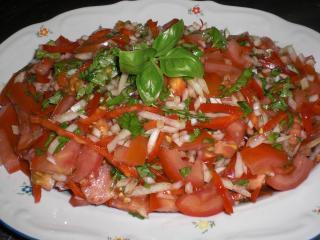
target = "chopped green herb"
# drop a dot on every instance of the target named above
(246, 109)
(243, 43)
(131, 122)
(275, 72)
(185, 114)
(40, 54)
(52, 100)
(137, 215)
(62, 141)
(37, 96)
(208, 140)
(240, 83)
(64, 125)
(38, 151)
(31, 78)
(164, 94)
(66, 65)
(290, 119)
(116, 174)
(77, 131)
(156, 167)
(272, 138)
(264, 85)
(185, 171)
(50, 138)
(242, 182)
(144, 171)
(85, 90)
(216, 37)
(196, 133)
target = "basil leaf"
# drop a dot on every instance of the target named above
(134, 61)
(168, 39)
(215, 36)
(179, 62)
(149, 83)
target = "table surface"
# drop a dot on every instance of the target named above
(305, 12)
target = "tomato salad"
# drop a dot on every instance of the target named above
(172, 118)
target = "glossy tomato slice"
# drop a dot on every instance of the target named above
(162, 202)
(263, 159)
(293, 179)
(138, 205)
(203, 203)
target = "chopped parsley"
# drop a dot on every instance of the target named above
(216, 37)
(246, 109)
(240, 83)
(50, 138)
(185, 114)
(131, 122)
(137, 215)
(241, 182)
(38, 151)
(272, 138)
(62, 141)
(116, 174)
(196, 133)
(52, 100)
(185, 171)
(40, 54)
(144, 171)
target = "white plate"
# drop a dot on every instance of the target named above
(289, 215)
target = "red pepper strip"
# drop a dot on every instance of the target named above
(101, 113)
(255, 194)
(127, 171)
(75, 189)
(36, 192)
(159, 176)
(274, 121)
(102, 33)
(256, 88)
(93, 104)
(306, 114)
(153, 28)
(217, 182)
(155, 152)
(170, 23)
(218, 123)
(62, 45)
(219, 108)
(247, 94)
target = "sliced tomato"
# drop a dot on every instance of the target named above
(218, 122)
(237, 54)
(263, 159)
(36, 192)
(198, 143)
(93, 104)
(221, 68)
(150, 125)
(87, 162)
(97, 187)
(44, 66)
(152, 25)
(219, 108)
(7, 156)
(178, 85)
(214, 81)
(283, 182)
(196, 174)
(62, 45)
(170, 23)
(76, 201)
(202, 203)
(162, 202)
(65, 104)
(196, 39)
(138, 205)
(172, 163)
(65, 160)
(135, 155)
(235, 132)
(274, 121)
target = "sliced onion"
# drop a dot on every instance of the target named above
(256, 140)
(78, 106)
(188, 188)
(122, 82)
(292, 103)
(304, 83)
(314, 98)
(124, 134)
(152, 140)
(72, 127)
(15, 129)
(20, 77)
(66, 117)
(96, 132)
(239, 168)
(196, 87)
(130, 186)
(84, 56)
(239, 189)
(206, 173)
(153, 188)
(203, 85)
(51, 159)
(157, 117)
(53, 146)
(177, 185)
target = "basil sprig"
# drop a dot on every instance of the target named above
(163, 58)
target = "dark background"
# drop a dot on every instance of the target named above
(15, 15)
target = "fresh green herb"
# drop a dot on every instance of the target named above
(52, 100)
(264, 85)
(116, 174)
(240, 83)
(216, 37)
(85, 90)
(241, 182)
(131, 122)
(290, 119)
(62, 141)
(40, 54)
(150, 83)
(156, 166)
(50, 138)
(144, 171)
(196, 133)
(246, 109)
(137, 215)
(185, 171)
(37, 96)
(38, 151)
(243, 43)
(275, 72)
(193, 48)
(168, 39)
(278, 104)
(102, 69)
(219, 158)
(208, 140)
(164, 94)
(31, 78)
(272, 138)
(77, 131)
(185, 114)
(64, 125)
(133, 61)
(66, 65)
(179, 62)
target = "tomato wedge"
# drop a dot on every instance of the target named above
(162, 202)
(202, 203)
(263, 159)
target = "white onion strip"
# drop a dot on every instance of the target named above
(153, 188)
(152, 140)
(124, 134)
(157, 117)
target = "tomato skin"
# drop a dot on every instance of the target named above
(153, 27)
(62, 45)
(235, 132)
(87, 162)
(8, 117)
(93, 104)
(196, 174)
(138, 205)
(293, 179)
(263, 159)
(171, 162)
(214, 82)
(162, 204)
(7, 156)
(76, 201)
(202, 203)
(64, 105)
